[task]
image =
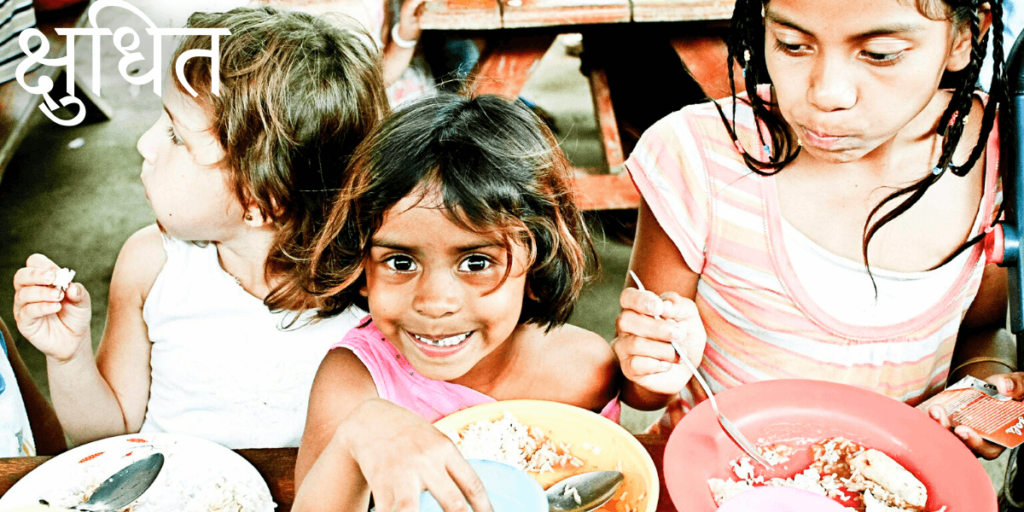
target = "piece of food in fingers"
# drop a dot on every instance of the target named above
(64, 278)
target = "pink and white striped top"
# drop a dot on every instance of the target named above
(761, 323)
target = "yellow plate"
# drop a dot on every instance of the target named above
(614, 448)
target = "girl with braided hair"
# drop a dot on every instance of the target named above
(825, 224)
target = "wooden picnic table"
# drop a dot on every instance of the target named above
(492, 14)
(277, 466)
(618, 37)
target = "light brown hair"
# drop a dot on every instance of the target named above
(297, 94)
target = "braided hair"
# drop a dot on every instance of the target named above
(746, 47)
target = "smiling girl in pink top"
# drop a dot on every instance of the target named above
(458, 233)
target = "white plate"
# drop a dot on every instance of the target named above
(198, 475)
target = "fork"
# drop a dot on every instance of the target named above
(730, 429)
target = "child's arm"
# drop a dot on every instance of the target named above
(984, 349)
(642, 343)
(983, 340)
(106, 395)
(46, 429)
(355, 442)
(396, 57)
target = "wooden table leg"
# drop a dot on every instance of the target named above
(508, 63)
(611, 141)
(644, 76)
(606, 192)
(705, 56)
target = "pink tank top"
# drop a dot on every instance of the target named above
(398, 382)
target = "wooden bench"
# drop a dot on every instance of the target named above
(17, 106)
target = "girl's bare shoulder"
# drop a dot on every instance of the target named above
(577, 340)
(576, 366)
(139, 263)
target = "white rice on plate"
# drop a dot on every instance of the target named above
(190, 480)
(508, 441)
(511, 442)
(870, 476)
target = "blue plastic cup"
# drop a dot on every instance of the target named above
(508, 489)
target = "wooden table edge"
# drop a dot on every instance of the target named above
(277, 467)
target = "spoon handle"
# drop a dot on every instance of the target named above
(730, 429)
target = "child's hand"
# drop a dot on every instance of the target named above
(1009, 384)
(400, 455)
(643, 342)
(56, 322)
(409, 20)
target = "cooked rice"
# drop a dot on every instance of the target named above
(62, 278)
(828, 475)
(508, 441)
(775, 454)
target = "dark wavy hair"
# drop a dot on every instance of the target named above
(746, 43)
(496, 166)
(297, 94)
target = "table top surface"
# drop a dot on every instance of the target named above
(495, 14)
(277, 466)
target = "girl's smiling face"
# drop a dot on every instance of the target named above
(436, 290)
(849, 76)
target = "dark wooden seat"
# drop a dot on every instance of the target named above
(17, 106)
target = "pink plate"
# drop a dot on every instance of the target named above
(779, 499)
(801, 412)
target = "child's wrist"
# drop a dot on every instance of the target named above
(402, 42)
(982, 368)
(642, 399)
(82, 351)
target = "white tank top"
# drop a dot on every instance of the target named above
(223, 368)
(15, 432)
(842, 288)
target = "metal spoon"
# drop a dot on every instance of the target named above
(593, 490)
(122, 489)
(734, 433)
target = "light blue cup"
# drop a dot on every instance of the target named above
(509, 489)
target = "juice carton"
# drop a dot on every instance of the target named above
(978, 404)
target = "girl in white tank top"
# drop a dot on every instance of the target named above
(203, 334)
